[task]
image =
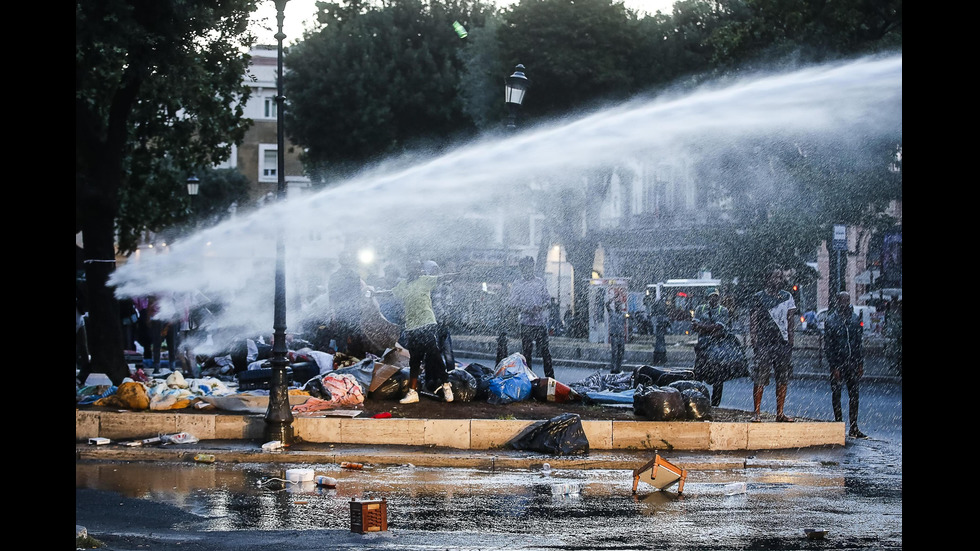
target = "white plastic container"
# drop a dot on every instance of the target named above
(326, 481)
(299, 475)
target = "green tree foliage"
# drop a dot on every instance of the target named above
(158, 86)
(374, 81)
(220, 189)
(577, 52)
(743, 253)
(481, 82)
(764, 31)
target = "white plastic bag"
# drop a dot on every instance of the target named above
(179, 438)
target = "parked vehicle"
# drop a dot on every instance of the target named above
(866, 317)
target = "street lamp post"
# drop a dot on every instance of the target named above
(514, 88)
(279, 416)
(193, 186)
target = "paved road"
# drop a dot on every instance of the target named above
(854, 491)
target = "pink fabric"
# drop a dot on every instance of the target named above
(344, 391)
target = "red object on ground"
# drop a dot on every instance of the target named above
(384, 415)
(546, 389)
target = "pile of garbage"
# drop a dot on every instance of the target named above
(321, 381)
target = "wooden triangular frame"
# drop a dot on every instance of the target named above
(660, 474)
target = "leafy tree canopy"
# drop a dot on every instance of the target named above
(575, 52)
(373, 81)
(158, 87)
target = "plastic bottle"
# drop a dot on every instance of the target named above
(351, 465)
(326, 481)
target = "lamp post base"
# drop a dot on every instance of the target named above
(279, 416)
(279, 431)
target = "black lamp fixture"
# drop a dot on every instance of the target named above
(193, 186)
(279, 416)
(514, 88)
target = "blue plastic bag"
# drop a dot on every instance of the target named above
(512, 387)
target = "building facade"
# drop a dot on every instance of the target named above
(256, 157)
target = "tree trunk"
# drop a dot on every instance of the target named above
(103, 326)
(97, 204)
(101, 149)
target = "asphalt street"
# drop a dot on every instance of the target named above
(853, 491)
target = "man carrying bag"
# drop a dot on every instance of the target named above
(719, 356)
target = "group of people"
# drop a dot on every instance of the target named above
(421, 316)
(412, 301)
(772, 313)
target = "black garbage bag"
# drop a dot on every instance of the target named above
(726, 360)
(648, 375)
(393, 388)
(561, 435)
(464, 385)
(659, 403)
(482, 374)
(700, 386)
(697, 404)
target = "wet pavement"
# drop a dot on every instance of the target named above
(745, 500)
(854, 491)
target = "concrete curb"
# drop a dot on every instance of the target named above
(456, 435)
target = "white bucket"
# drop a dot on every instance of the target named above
(299, 475)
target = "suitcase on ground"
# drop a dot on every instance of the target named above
(304, 371)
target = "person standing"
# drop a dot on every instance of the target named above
(442, 308)
(771, 331)
(346, 290)
(529, 296)
(843, 343)
(421, 339)
(710, 322)
(661, 323)
(143, 328)
(162, 334)
(617, 335)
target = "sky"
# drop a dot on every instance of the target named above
(299, 15)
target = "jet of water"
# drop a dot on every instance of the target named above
(436, 199)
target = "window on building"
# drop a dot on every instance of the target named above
(268, 163)
(271, 107)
